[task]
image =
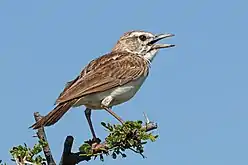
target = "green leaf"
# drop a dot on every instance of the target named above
(104, 124)
(86, 148)
(123, 155)
(31, 155)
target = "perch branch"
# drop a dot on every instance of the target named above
(69, 158)
(42, 136)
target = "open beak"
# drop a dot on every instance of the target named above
(160, 37)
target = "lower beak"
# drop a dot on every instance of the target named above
(160, 37)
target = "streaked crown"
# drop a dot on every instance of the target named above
(140, 42)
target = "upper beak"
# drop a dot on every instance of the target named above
(160, 37)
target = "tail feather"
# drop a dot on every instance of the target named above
(53, 116)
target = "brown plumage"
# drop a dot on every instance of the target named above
(53, 116)
(108, 71)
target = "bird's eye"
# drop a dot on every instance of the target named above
(142, 37)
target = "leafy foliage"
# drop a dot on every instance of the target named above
(22, 153)
(131, 135)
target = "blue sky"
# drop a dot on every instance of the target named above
(196, 92)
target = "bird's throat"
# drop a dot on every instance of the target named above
(150, 55)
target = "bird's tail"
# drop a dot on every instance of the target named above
(53, 116)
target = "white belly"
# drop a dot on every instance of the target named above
(119, 94)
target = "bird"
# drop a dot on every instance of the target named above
(109, 80)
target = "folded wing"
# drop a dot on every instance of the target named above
(104, 73)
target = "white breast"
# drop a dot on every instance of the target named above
(119, 94)
(126, 92)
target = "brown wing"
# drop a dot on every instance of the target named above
(104, 73)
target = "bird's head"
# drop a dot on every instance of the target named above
(141, 42)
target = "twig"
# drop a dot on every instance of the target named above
(150, 126)
(146, 117)
(42, 136)
(17, 162)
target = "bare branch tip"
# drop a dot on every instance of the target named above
(146, 117)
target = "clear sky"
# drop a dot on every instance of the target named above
(197, 92)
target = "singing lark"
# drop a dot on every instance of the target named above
(109, 80)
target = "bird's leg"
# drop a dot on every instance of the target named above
(88, 117)
(106, 104)
(114, 114)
